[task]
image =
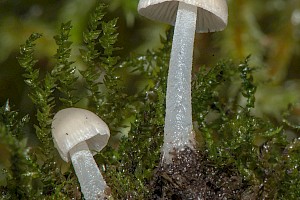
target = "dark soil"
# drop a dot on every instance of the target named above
(192, 176)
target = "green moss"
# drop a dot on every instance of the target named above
(223, 97)
(130, 169)
(63, 71)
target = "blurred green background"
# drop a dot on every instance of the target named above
(269, 30)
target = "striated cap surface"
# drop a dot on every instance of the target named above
(71, 126)
(211, 14)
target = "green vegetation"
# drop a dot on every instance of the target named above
(223, 97)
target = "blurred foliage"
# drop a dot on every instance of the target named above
(237, 108)
(270, 32)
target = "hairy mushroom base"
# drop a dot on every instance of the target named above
(192, 176)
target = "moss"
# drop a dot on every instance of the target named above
(250, 152)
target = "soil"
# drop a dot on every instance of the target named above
(193, 176)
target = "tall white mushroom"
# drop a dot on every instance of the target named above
(78, 134)
(188, 16)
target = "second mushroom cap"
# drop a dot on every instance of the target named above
(74, 125)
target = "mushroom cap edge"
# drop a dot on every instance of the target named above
(212, 15)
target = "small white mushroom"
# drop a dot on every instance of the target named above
(78, 134)
(188, 16)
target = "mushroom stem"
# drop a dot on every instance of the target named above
(90, 178)
(178, 131)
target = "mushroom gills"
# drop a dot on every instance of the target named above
(91, 181)
(178, 121)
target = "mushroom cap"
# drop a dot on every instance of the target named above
(71, 126)
(211, 14)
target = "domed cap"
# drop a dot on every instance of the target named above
(211, 14)
(71, 126)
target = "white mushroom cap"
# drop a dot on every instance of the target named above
(211, 14)
(74, 125)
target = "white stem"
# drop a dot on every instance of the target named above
(178, 131)
(90, 178)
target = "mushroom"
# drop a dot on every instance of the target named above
(188, 16)
(78, 134)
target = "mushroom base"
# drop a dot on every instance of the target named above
(192, 176)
